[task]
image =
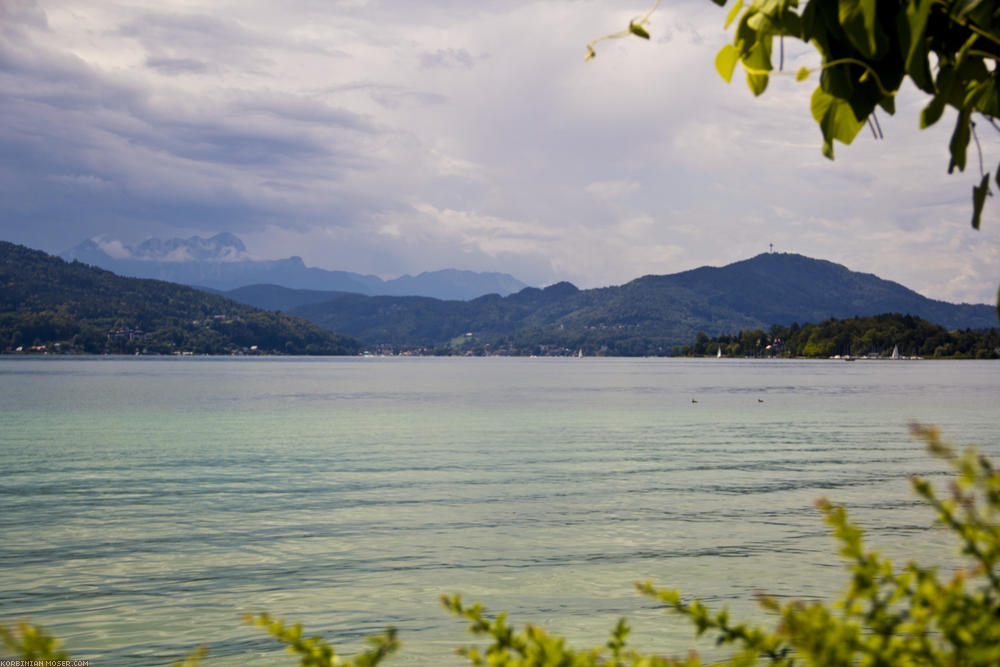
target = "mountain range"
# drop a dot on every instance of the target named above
(649, 315)
(221, 262)
(46, 300)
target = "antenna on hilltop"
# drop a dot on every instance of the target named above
(772, 247)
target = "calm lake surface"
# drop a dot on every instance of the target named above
(146, 503)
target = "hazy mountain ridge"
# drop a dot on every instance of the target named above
(222, 263)
(648, 315)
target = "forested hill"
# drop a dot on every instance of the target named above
(649, 315)
(782, 288)
(52, 305)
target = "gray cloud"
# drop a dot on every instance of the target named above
(193, 37)
(107, 152)
(395, 137)
(16, 15)
(394, 97)
(301, 109)
(177, 66)
(447, 58)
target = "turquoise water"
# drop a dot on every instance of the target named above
(146, 503)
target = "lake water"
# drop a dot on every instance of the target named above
(145, 504)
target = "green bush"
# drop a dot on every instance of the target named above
(889, 616)
(317, 652)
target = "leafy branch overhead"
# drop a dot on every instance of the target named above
(948, 48)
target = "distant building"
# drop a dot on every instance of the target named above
(126, 334)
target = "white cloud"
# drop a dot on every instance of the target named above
(113, 247)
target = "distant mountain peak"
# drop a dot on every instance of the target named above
(563, 288)
(224, 247)
(221, 262)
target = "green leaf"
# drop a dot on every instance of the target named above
(989, 99)
(960, 141)
(637, 30)
(802, 74)
(725, 61)
(812, 27)
(745, 38)
(757, 83)
(758, 57)
(733, 13)
(889, 104)
(979, 199)
(860, 22)
(836, 119)
(932, 112)
(761, 22)
(791, 23)
(911, 25)
(839, 81)
(943, 88)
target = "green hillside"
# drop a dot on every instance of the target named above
(647, 316)
(782, 288)
(47, 304)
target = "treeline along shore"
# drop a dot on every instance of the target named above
(879, 337)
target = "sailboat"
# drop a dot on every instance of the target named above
(718, 353)
(895, 352)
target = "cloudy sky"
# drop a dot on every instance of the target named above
(393, 137)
